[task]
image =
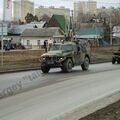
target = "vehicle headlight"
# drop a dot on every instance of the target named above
(61, 59)
(43, 58)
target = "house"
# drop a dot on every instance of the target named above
(58, 21)
(15, 31)
(18, 29)
(34, 38)
(93, 34)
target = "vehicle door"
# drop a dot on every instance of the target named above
(77, 54)
(83, 51)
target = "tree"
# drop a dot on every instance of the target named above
(107, 30)
(45, 17)
(115, 16)
(88, 17)
(29, 18)
(36, 18)
(111, 15)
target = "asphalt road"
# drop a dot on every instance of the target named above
(13, 83)
(66, 92)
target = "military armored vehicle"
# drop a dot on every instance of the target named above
(116, 57)
(66, 55)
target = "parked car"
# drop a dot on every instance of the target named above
(7, 46)
(116, 57)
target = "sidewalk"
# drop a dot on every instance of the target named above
(111, 112)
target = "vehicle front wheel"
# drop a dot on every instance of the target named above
(67, 66)
(113, 61)
(85, 64)
(118, 61)
(45, 69)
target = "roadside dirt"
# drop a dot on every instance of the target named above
(111, 112)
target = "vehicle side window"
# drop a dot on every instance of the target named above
(74, 48)
(67, 47)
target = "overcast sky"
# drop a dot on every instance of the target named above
(67, 3)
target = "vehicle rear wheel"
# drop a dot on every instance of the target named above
(67, 66)
(45, 69)
(86, 63)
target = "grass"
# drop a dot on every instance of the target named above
(14, 60)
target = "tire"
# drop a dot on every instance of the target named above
(118, 62)
(67, 66)
(113, 61)
(85, 64)
(62, 68)
(45, 69)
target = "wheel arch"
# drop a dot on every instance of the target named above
(71, 60)
(88, 57)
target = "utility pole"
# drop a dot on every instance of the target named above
(71, 24)
(2, 44)
(72, 18)
(110, 31)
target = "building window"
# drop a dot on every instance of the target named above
(28, 42)
(38, 42)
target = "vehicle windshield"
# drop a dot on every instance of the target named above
(55, 47)
(62, 47)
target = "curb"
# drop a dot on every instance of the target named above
(19, 70)
(38, 68)
(90, 107)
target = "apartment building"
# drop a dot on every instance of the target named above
(84, 7)
(21, 8)
(40, 11)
